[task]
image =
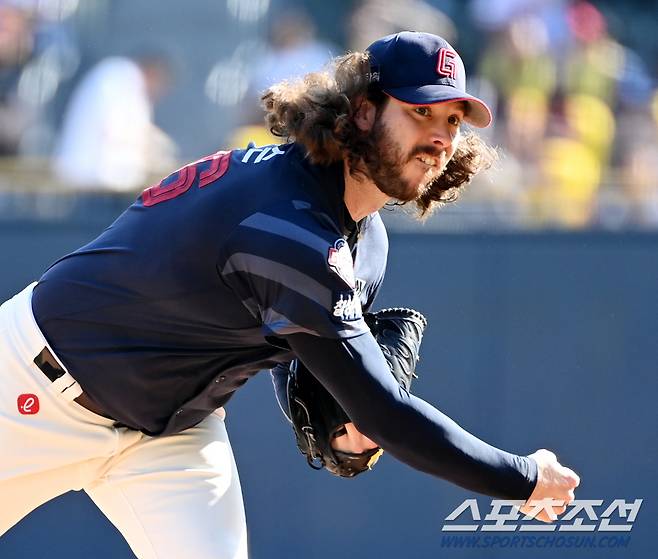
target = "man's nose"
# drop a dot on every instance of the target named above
(442, 136)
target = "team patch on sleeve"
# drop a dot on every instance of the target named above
(340, 262)
(346, 306)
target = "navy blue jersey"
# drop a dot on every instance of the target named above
(234, 264)
(193, 289)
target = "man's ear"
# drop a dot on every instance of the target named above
(364, 117)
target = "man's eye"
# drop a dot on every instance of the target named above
(423, 111)
(454, 120)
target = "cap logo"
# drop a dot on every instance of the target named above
(446, 64)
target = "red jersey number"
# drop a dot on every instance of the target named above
(180, 181)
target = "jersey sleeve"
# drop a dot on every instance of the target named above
(355, 372)
(294, 274)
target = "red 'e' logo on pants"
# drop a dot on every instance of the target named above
(28, 404)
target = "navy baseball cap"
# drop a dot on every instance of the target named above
(423, 69)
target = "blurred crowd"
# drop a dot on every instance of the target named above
(573, 85)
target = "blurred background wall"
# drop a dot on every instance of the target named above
(540, 284)
(535, 340)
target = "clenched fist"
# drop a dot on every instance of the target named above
(555, 488)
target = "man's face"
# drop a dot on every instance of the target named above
(414, 144)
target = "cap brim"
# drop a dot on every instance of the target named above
(478, 114)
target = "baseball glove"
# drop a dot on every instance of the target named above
(317, 418)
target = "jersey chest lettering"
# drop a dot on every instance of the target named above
(263, 154)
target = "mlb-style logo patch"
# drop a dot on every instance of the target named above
(340, 261)
(28, 404)
(347, 306)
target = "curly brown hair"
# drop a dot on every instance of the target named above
(317, 111)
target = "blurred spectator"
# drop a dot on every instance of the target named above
(293, 50)
(595, 62)
(640, 186)
(593, 123)
(521, 68)
(38, 54)
(576, 108)
(570, 175)
(372, 19)
(108, 139)
(631, 198)
(16, 48)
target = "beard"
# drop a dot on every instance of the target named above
(385, 167)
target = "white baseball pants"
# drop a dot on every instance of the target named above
(171, 497)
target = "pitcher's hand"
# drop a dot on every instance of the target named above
(554, 481)
(352, 441)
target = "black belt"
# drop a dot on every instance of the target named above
(53, 370)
